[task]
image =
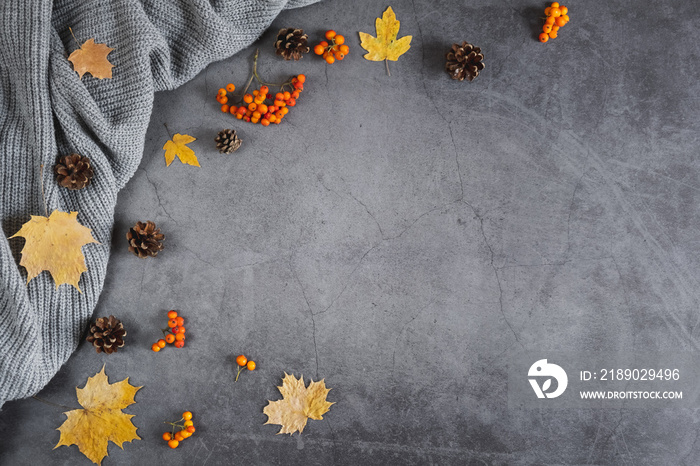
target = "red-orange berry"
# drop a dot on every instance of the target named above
(344, 49)
(247, 98)
(180, 337)
(233, 109)
(191, 429)
(179, 344)
(560, 21)
(230, 87)
(167, 437)
(169, 338)
(172, 314)
(265, 122)
(301, 78)
(553, 35)
(330, 34)
(241, 360)
(222, 92)
(324, 44)
(339, 40)
(330, 59)
(224, 108)
(291, 102)
(172, 323)
(161, 343)
(180, 321)
(173, 443)
(318, 50)
(544, 37)
(155, 347)
(187, 415)
(547, 28)
(251, 365)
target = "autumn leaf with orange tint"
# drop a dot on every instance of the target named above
(92, 58)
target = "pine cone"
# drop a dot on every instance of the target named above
(73, 171)
(228, 141)
(291, 43)
(107, 334)
(145, 239)
(464, 61)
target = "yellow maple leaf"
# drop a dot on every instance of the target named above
(92, 58)
(55, 244)
(102, 420)
(299, 403)
(178, 146)
(385, 46)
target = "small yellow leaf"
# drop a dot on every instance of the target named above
(299, 403)
(385, 46)
(55, 244)
(92, 58)
(178, 146)
(102, 420)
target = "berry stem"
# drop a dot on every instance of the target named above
(240, 369)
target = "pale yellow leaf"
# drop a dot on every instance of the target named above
(178, 146)
(102, 420)
(92, 58)
(299, 403)
(55, 244)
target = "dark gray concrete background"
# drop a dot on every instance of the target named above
(401, 236)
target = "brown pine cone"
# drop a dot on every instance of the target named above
(464, 61)
(291, 43)
(107, 334)
(228, 141)
(145, 239)
(73, 171)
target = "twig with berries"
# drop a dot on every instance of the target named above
(186, 429)
(261, 106)
(335, 50)
(244, 364)
(174, 334)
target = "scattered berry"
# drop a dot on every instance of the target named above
(544, 37)
(251, 365)
(241, 360)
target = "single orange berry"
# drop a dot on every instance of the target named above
(330, 59)
(161, 343)
(222, 92)
(553, 35)
(241, 360)
(285, 110)
(291, 102)
(330, 34)
(544, 37)
(566, 18)
(272, 119)
(301, 78)
(555, 5)
(188, 422)
(556, 12)
(255, 121)
(223, 100)
(555, 28)
(296, 94)
(181, 343)
(224, 108)
(187, 415)
(560, 21)
(338, 56)
(252, 107)
(169, 338)
(238, 116)
(264, 89)
(173, 443)
(155, 347)
(279, 96)
(256, 92)
(323, 44)
(286, 95)
(172, 323)
(279, 103)
(547, 28)
(344, 49)
(241, 110)
(167, 437)
(230, 87)
(233, 109)
(180, 337)
(564, 10)
(182, 329)
(172, 314)
(547, 11)
(180, 321)
(339, 40)
(247, 98)
(318, 50)
(265, 122)
(179, 437)
(256, 114)
(251, 365)
(262, 108)
(279, 114)
(185, 434)
(191, 429)
(550, 20)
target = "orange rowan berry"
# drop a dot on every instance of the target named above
(241, 110)
(255, 121)
(564, 10)
(155, 347)
(188, 422)
(291, 102)
(180, 321)
(181, 343)
(230, 87)
(301, 78)
(555, 28)
(264, 89)
(284, 110)
(324, 44)
(187, 415)
(553, 35)
(566, 18)
(265, 122)
(296, 94)
(222, 92)
(182, 329)
(279, 114)
(161, 343)
(256, 92)
(318, 50)
(247, 98)
(272, 119)
(544, 37)
(191, 429)
(252, 107)
(173, 443)
(550, 20)
(338, 56)
(286, 95)
(330, 34)
(233, 109)
(251, 365)
(180, 337)
(167, 437)
(172, 314)
(262, 108)
(339, 40)
(344, 49)
(224, 108)
(547, 28)
(241, 360)
(330, 59)
(279, 103)
(178, 437)
(279, 96)
(223, 100)
(169, 338)
(555, 5)
(185, 434)
(547, 11)
(560, 21)
(556, 12)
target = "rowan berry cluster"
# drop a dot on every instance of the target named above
(186, 430)
(557, 17)
(335, 50)
(244, 364)
(174, 334)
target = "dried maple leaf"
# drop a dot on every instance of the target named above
(102, 420)
(385, 46)
(55, 244)
(92, 58)
(178, 146)
(298, 404)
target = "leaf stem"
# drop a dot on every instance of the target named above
(53, 404)
(386, 62)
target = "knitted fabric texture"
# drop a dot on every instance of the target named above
(46, 111)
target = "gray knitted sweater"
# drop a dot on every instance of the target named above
(45, 110)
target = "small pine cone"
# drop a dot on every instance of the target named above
(107, 334)
(464, 61)
(291, 43)
(73, 171)
(145, 239)
(228, 141)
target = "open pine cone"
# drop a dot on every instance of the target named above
(145, 239)
(107, 334)
(291, 43)
(464, 61)
(228, 141)
(73, 171)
